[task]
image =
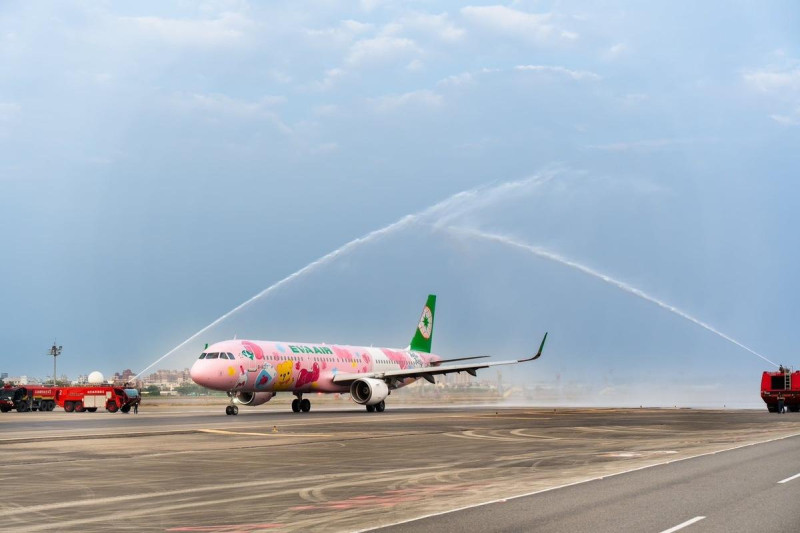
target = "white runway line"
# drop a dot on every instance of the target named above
(683, 525)
(581, 482)
(788, 479)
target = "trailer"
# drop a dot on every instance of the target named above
(27, 398)
(91, 398)
(781, 385)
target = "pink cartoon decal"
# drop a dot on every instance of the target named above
(397, 357)
(242, 377)
(252, 350)
(284, 380)
(265, 377)
(306, 376)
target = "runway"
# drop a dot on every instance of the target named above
(339, 468)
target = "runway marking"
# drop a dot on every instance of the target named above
(788, 479)
(581, 482)
(684, 524)
(276, 434)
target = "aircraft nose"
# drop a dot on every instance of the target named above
(196, 374)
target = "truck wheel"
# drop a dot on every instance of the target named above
(69, 407)
(125, 408)
(79, 407)
(5, 409)
(91, 409)
(111, 407)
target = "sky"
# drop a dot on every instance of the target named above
(163, 162)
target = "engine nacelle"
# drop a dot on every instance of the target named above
(252, 398)
(369, 391)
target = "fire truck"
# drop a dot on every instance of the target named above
(783, 384)
(72, 399)
(90, 398)
(28, 398)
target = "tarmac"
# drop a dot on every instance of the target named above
(339, 468)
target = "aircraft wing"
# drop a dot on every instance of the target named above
(428, 372)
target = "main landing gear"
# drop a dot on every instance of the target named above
(299, 404)
(231, 410)
(379, 407)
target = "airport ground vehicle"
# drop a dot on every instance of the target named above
(27, 398)
(89, 398)
(72, 399)
(783, 384)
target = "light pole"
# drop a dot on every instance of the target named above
(55, 351)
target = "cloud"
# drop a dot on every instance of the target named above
(345, 32)
(228, 29)
(422, 98)
(465, 78)
(332, 76)
(645, 144)
(220, 105)
(9, 111)
(791, 119)
(577, 75)
(519, 24)
(439, 26)
(380, 50)
(774, 80)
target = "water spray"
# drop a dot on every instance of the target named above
(547, 254)
(448, 205)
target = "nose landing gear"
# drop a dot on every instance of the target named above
(299, 404)
(231, 410)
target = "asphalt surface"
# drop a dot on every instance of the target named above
(746, 489)
(191, 468)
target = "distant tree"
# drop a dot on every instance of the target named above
(191, 389)
(152, 390)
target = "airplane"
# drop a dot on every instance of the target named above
(253, 372)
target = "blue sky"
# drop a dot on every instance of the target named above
(162, 162)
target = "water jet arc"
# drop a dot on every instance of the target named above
(547, 254)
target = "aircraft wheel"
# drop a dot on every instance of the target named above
(295, 405)
(228, 409)
(234, 410)
(305, 405)
(370, 408)
(380, 407)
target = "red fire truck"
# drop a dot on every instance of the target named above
(90, 398)
(783, 384)
(27, 398)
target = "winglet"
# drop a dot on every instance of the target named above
(538, 354)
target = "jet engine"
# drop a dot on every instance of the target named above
(369, 391)
(252, 398)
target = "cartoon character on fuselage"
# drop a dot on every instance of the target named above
(368, 374)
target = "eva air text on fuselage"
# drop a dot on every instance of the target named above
(310, 349)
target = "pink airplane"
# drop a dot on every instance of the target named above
(252, 372)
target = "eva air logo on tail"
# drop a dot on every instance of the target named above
(426, 322)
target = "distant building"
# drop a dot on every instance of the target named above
(4, 376)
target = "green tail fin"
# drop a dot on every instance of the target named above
(423, 336)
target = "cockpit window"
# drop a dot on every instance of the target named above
(203, 355)
(212, 355)
(230, 356)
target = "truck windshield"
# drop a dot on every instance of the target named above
(131, 393)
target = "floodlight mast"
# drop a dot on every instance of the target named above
(55, 351)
